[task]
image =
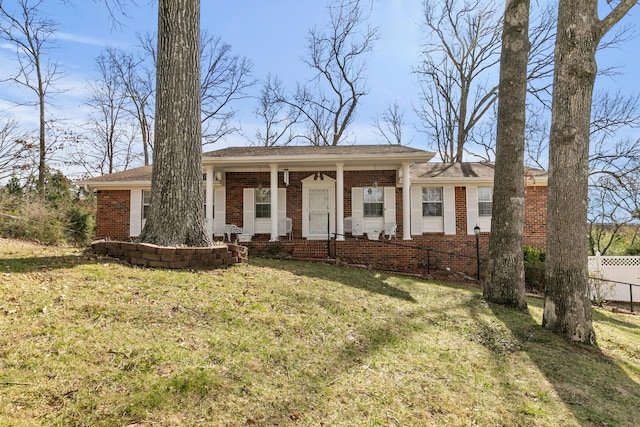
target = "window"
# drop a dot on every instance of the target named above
(485, 201)
(146, 201)
(432, 201)
(263, 203)
(373, 202)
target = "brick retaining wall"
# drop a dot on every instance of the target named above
(454, 253)
(147, 255)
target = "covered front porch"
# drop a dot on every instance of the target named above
(311, 192)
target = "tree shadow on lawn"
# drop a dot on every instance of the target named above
(602, 316)
(591, 384)
(43, 263)
(370, 281)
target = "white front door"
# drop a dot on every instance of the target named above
(318, 212)
(318, 207)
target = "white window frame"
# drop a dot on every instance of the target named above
(485, 200)
(144, 205)
(370, 192)
(433, 202)
(258, 193)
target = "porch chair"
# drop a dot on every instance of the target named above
(230, 229)
(348, 225)
(289, 228)
(244, 238)
(390, 229)
(285, 228)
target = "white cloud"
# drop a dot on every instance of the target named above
(77, 38)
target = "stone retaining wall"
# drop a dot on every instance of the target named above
(148, 255)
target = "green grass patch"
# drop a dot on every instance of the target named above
(87, 341)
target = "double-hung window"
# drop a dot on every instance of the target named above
(146, 201)
(373, 202)
(263, 202)
(431, 201)
(485, 201)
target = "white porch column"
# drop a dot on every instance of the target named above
(340, 201)
(208, 201)
(406, 202)
(274, 202)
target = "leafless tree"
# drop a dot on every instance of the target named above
(567, 309)
(464, 44)
(138, 86)
(614, 188)
(613, 206)
(337, 56)
(458, 87)
(110, 147)
(10, 146)
(278, 118)
(542, 32)
(225, 79)
(390, 124)
(31, 35)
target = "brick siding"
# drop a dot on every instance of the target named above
(113, 214)
(455, 252)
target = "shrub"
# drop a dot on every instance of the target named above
(30, 217)
(80, 225)
(534, 268)
(53, 218)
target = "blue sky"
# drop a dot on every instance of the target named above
(272, 34)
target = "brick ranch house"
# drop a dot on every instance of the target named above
(418, 211)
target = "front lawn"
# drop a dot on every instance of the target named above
(87, 341)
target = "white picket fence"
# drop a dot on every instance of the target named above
(617, 273)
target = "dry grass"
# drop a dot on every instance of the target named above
(93, 342)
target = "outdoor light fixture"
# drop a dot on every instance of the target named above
(476, 230)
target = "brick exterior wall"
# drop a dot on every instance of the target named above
(113, 214)
(535, 217)
(456, 252)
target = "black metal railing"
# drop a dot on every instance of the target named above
(428, 259)
(631, 285)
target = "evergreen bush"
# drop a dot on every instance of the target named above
(534, 269)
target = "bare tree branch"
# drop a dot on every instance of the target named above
(31, 35)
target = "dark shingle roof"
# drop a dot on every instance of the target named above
(296, 150)
(140, 174)
(464, 170)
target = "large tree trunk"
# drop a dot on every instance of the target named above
(504, 283)
(567, 308)
(176, 214)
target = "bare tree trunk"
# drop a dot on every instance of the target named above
(42, 150)
(504, 283)
(567, 308)
(176, 215)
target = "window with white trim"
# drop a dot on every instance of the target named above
(146, 202)
(263, 203)
(373, 202)
(431, 201)
(485, 201)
